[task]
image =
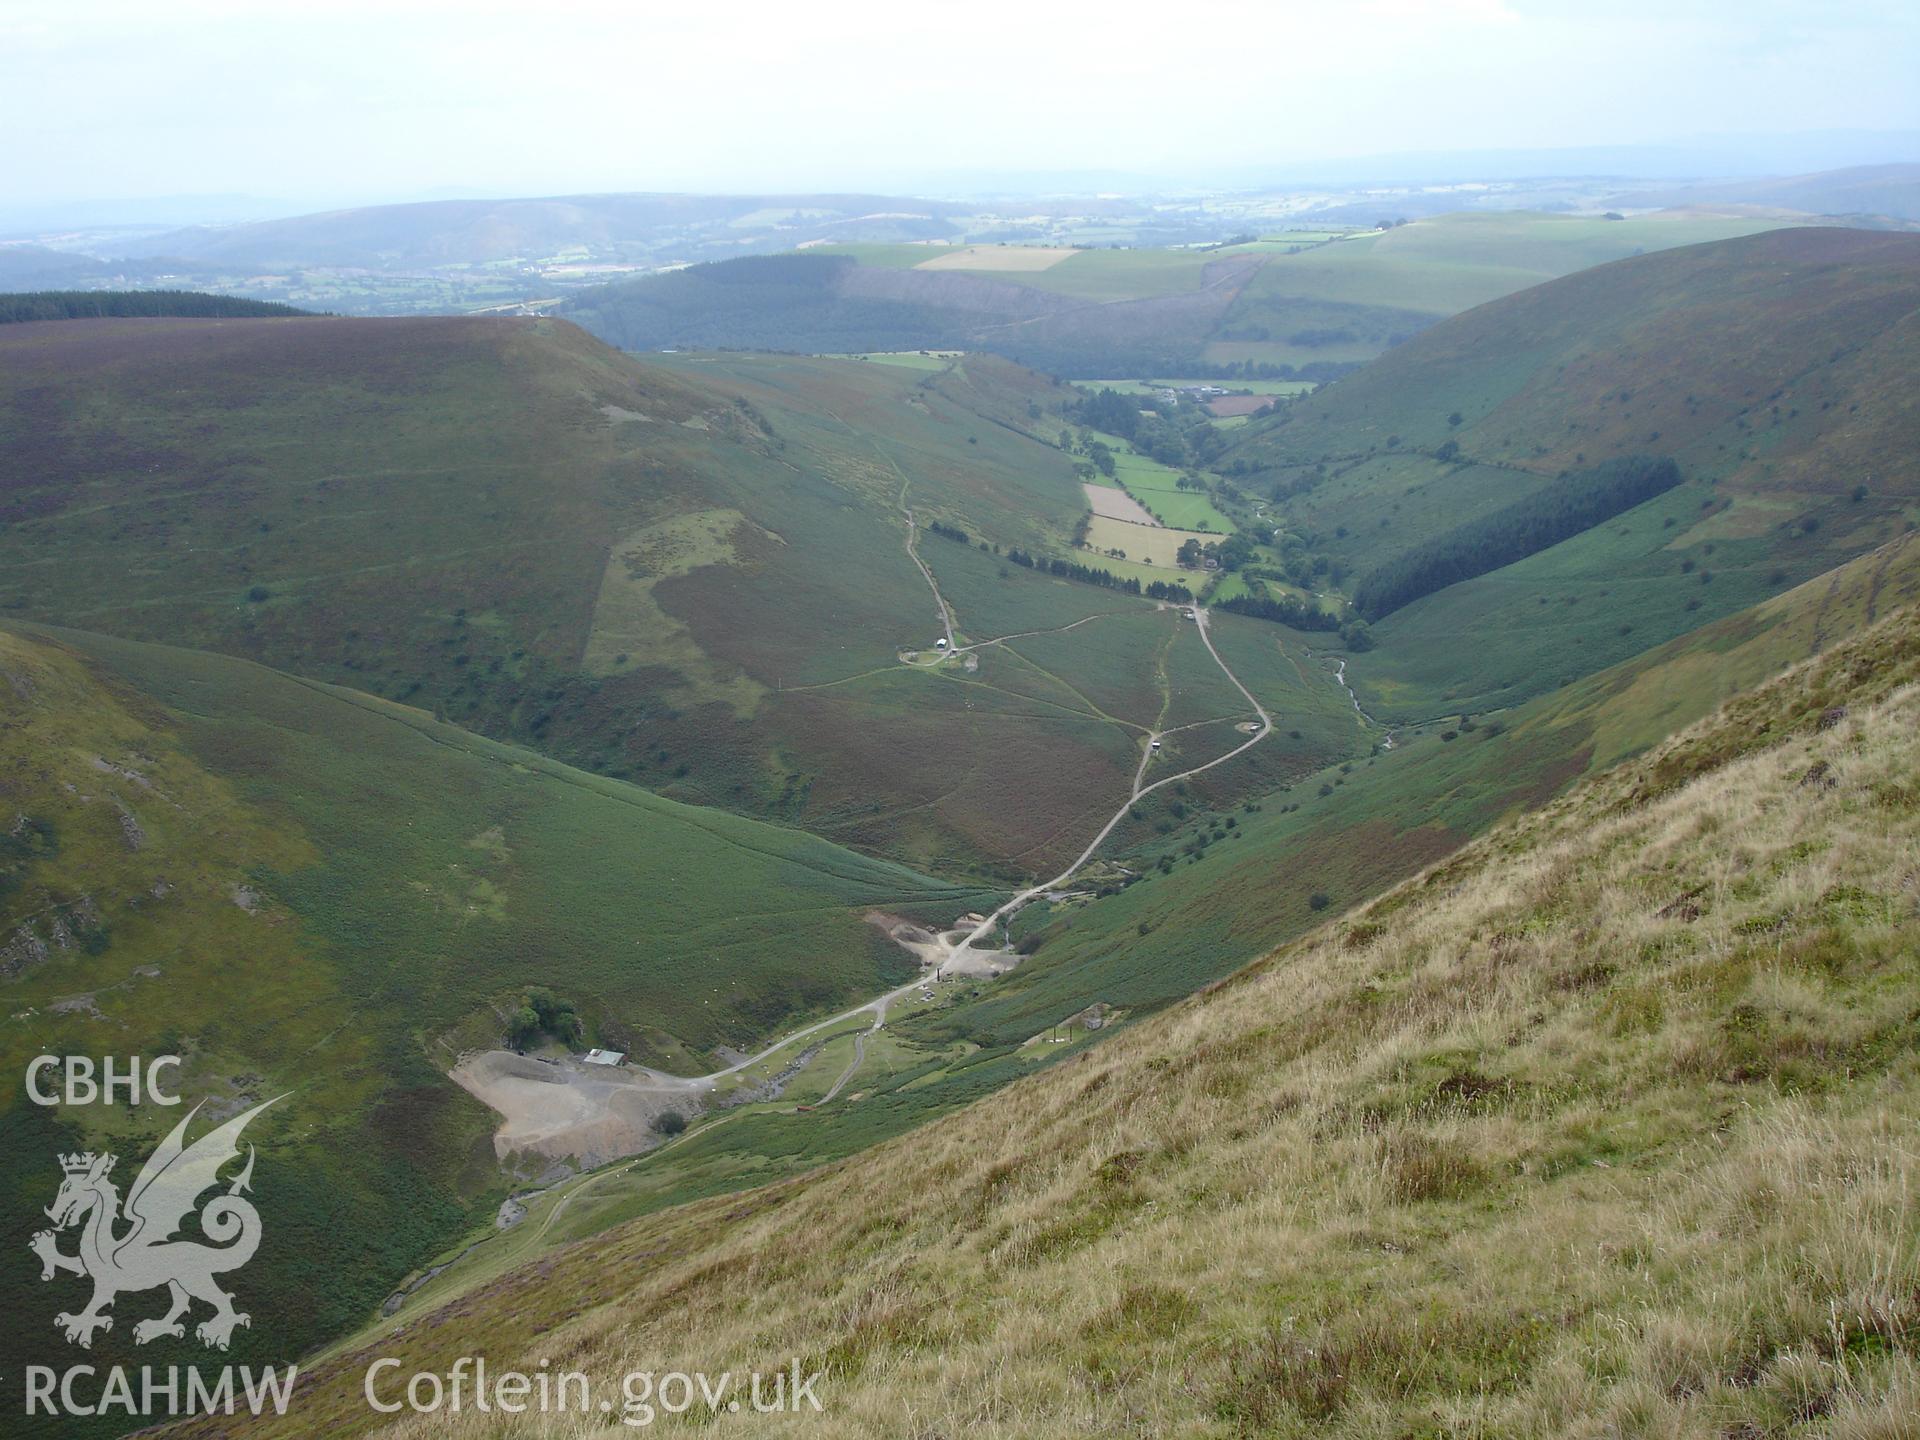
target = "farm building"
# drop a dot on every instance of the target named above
(604, 1057)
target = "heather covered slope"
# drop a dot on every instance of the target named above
(1600, 1126)
(325, 494)
(1773, 370)
(694, 578)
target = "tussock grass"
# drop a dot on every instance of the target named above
(1605, 1126)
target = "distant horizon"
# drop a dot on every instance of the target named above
(352, 102)
(1845, 150)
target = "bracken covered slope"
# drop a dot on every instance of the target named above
(1603, 1126)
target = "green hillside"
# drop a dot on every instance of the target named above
(1770, 369)
(1297, 303)
(1462, 1160)
(301, 888)
(694, 576)
(1352, 299)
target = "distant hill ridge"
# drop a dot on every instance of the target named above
(1309, 307)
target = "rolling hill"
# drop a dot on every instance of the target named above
(1217, 882)
(1771, 369)
(1461, 1159)
(613, 229)
(1884, 194)
(1303, 302)
(693, 575)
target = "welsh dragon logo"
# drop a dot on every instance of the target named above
(144, 1255)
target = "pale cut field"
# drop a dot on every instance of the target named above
(1149, 544)
(1114, 503)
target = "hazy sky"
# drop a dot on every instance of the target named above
(352, 99)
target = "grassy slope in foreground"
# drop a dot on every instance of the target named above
(301, 888)
(1601, 1123)
(1773, 369)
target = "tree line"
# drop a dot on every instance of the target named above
(1089, 575)
(113, 304)
(1557, 511)
(1288, 610)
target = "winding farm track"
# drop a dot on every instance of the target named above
(1019, 901)
(1013, 906)
(913, 554)
(859, 1058)
(877, 1007)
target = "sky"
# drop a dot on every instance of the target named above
(350, 101)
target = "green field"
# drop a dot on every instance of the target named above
(1157, 487)
(1348, 299)
(907, 359)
